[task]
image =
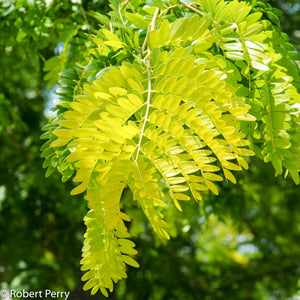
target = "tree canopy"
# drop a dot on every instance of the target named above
(242, 244)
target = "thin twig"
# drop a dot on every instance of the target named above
(145, 42)
(193, 9)
(152, 24)
(124, 4)
(120, 14)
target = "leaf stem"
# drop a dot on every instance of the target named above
(147, 109)
(150, 28)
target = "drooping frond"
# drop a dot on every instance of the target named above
(106, 247)
(180, 125)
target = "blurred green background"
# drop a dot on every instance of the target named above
(243, 244)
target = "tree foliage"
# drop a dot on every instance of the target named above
(242, 244)
(169, 97)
